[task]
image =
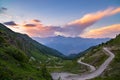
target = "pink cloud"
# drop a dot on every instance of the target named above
(38, 29)
(93, 17)
(106, 31)
(76, 27)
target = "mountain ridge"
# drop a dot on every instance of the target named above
(72, 45)
(26, 38)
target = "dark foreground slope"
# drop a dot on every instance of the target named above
(22, 58)
(96, 56)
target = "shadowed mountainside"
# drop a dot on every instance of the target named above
(23, 58)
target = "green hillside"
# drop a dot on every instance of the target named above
(22, 58)
(96, 56)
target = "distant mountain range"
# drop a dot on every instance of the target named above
(70, 45)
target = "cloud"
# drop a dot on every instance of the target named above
(91, 18)
(106, 31)
(29, 25)
(60, 33)
(76, 27)
(41, 31)
(3, 9)
(36, 20)
(3, 12)
(10, 23)
(38, 29)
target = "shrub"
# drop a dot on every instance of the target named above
(16, 54)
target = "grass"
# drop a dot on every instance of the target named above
(22, 72)
(95, 57)
(14, 65)
(69, 66)
(113, 70)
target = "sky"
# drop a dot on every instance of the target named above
(70, 18)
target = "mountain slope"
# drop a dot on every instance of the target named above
(22, 58)
(96, 57)
(26, 44)
(71, 45)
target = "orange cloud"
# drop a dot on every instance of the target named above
(78, 26)
(41, 31)
(38, 29)
(106, 31)
(93, 17)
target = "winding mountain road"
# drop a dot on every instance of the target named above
(70, 76)
(92, 68)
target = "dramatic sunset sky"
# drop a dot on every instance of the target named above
(70, 18)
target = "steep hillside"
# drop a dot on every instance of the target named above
(71, 45)
(96, 56)
(22, 58)
(26, 44)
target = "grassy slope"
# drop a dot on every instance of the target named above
(96, 57)
(68, 66)
(16, 57)
(113, 70)
(15, 65)
(29, 46)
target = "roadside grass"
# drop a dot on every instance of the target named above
(95, 57)
(70, 66)
(113, 70)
